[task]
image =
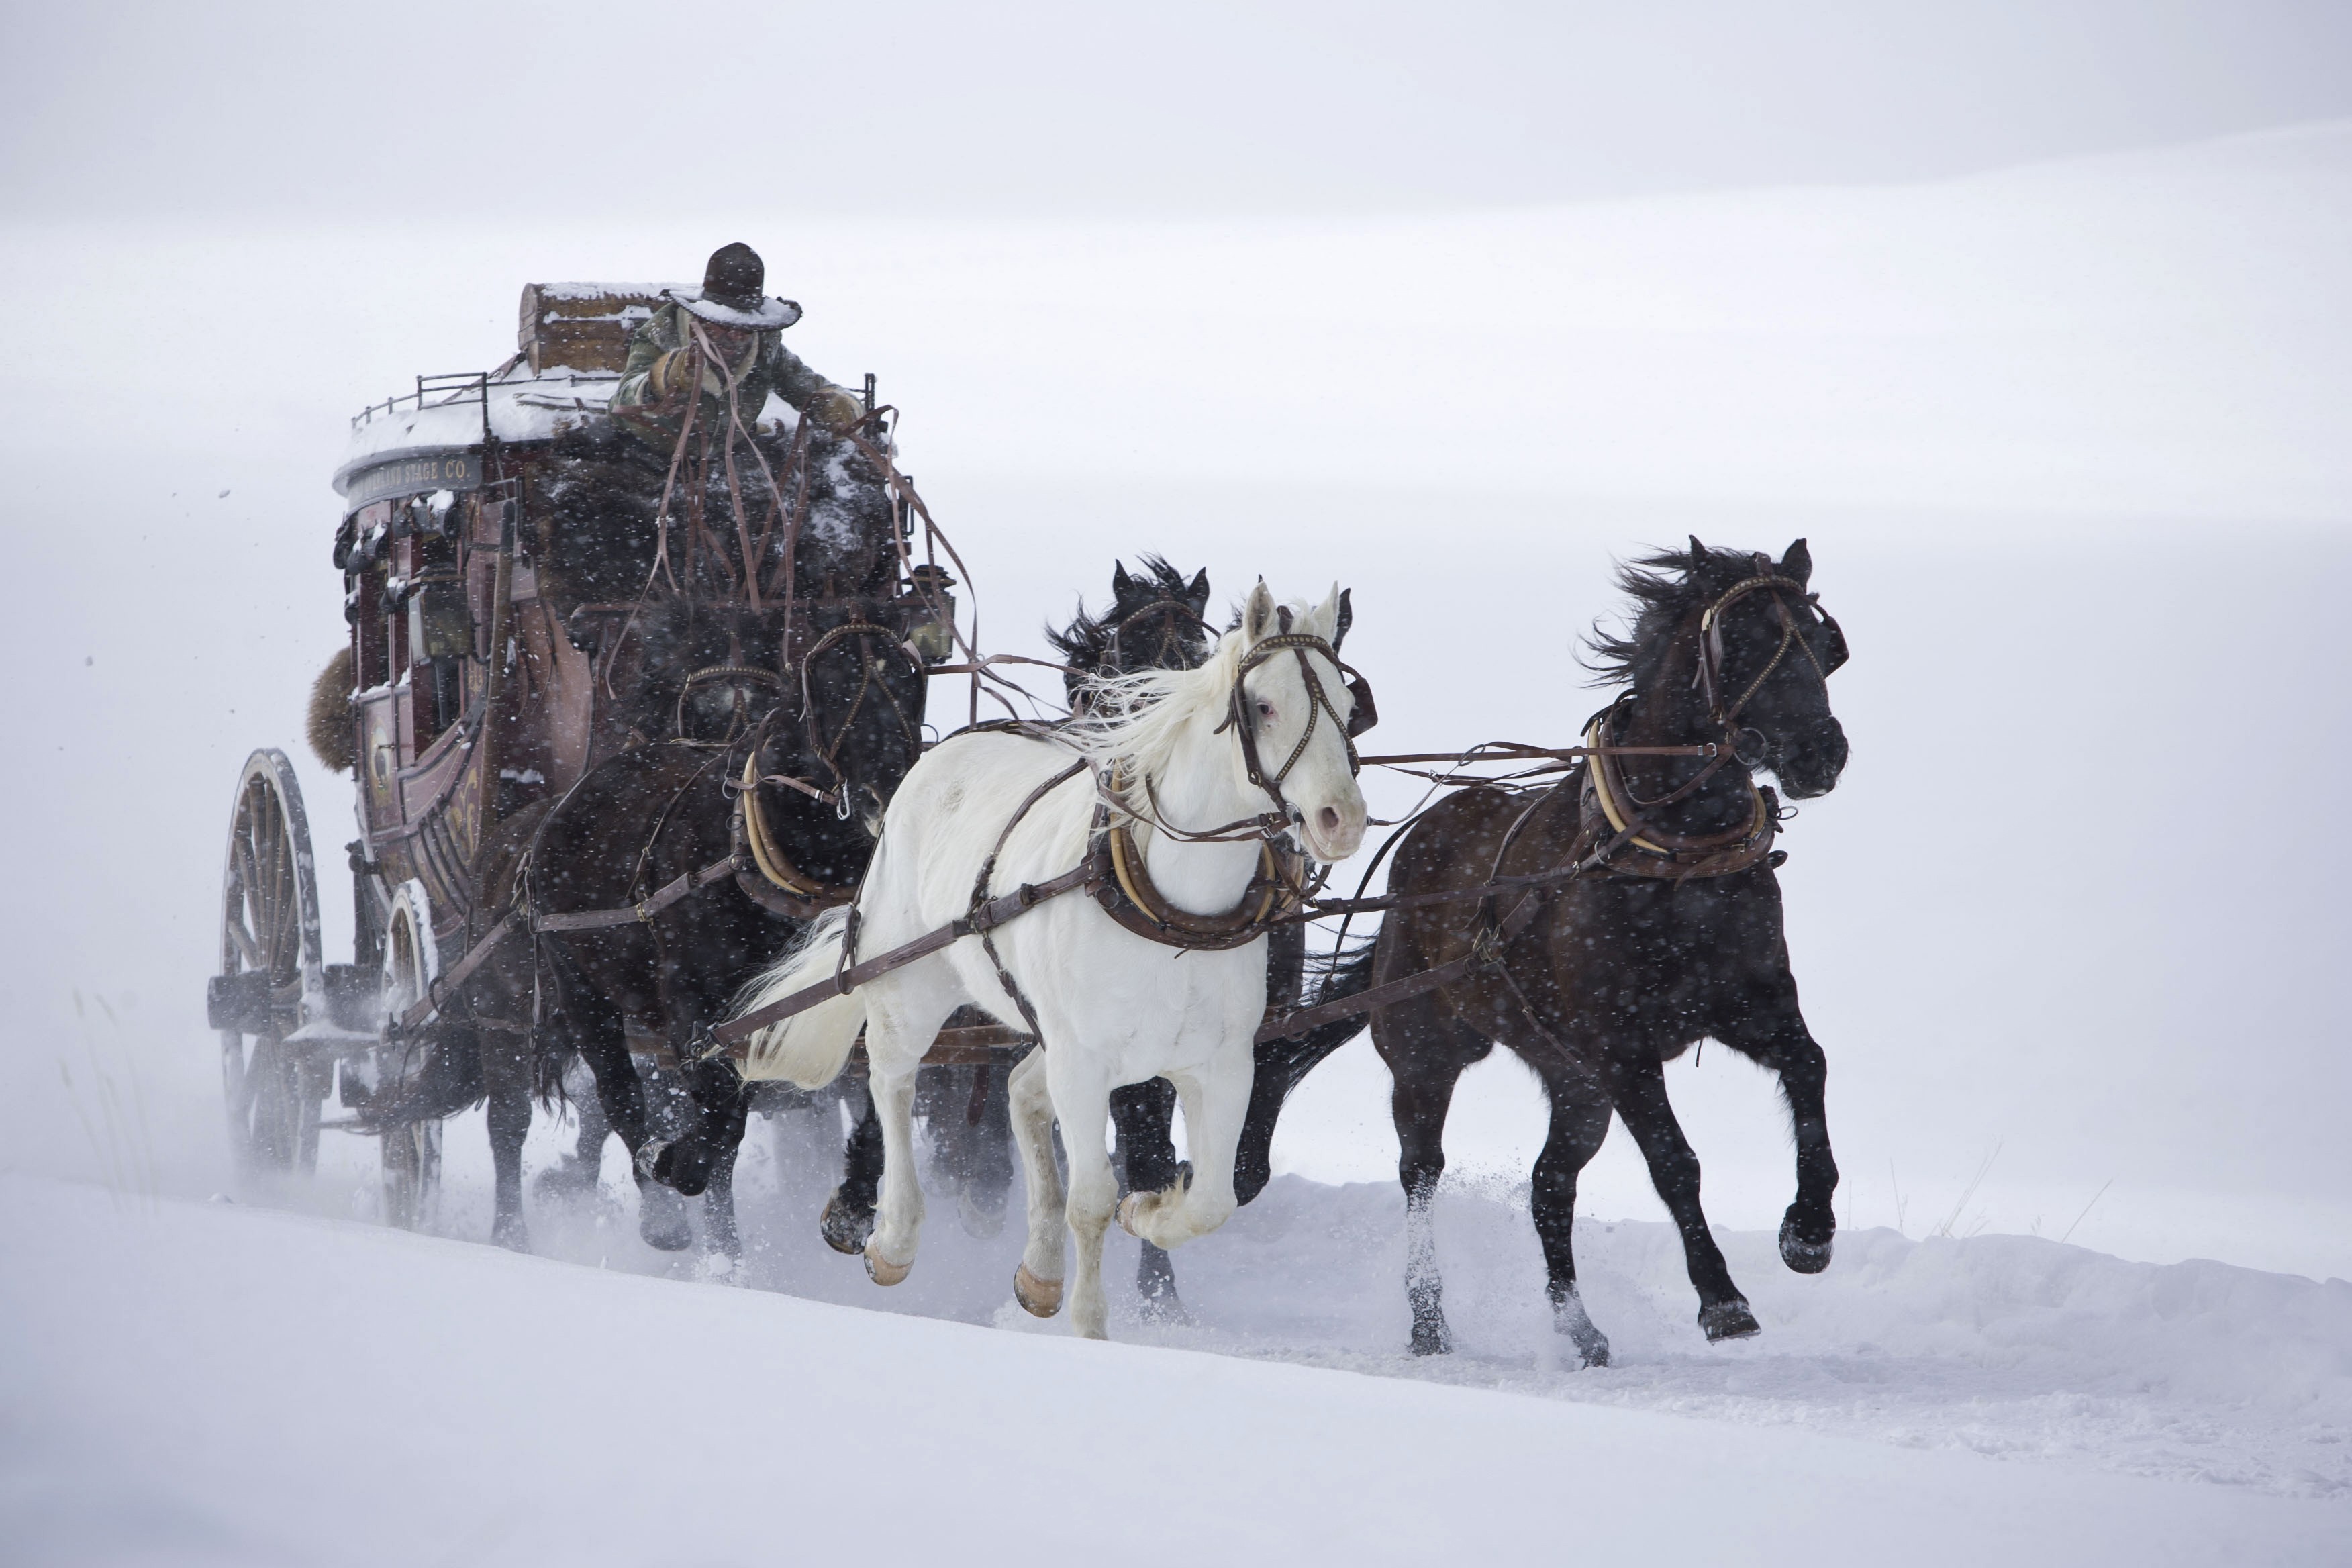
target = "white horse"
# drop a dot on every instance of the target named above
(1112, 1007)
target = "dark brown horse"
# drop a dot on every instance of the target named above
(1672, 934)
(823, 741)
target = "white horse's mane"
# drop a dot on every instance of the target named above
(1138, 719)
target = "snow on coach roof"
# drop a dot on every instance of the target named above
(571, 340)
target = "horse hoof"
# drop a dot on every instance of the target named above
(1728, 1320)
(685, 1167)
(1127, 1207)
(510, 1235)
(1568, 1318)
(979, 1221)
(1801, 1256)
(1155, 1285)
(1038, 1298)
(574, 1178)
(1432, 1339)
(881, 1270)
(845, 1229)
(670, 1233)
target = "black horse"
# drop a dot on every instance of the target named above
(1673, 934)
(764, 698)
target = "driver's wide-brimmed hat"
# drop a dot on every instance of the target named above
(731, 296)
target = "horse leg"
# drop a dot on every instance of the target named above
(1638, 1084)
(661, 1218)
(895, 1049)
(1425, 1055)
(1037, 1282)
(722, 1243)
(578, 1171)
(725, 1105)
(1145, 1115)
(591, 1026)
(1781, 1042)
(507, 1081)
(1579, 1120)
(1081, 1096)
(1281, 1064)
(988, 1174)
(849, 1218)
(1215, 1101)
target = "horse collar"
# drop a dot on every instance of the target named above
(1683, 856)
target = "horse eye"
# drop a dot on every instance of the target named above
(1265, 708)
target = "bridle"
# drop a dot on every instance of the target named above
(1173, 614)
(739, 717)
(828, 752)
(1365, 714)
(1710, 678)
(1605, 777)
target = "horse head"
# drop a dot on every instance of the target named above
(1154, 622)
(1739, 646)
(1295, 713)
(859, 715)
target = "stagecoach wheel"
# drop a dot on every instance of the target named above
(269, 971)
(411, 1145)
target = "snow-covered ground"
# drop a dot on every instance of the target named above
(186, 1383)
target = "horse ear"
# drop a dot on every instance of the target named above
(1697, 553)
(1347, 618)
(1325, 616)
(1257, 615)
(1122, 586)
(1798, 564)
(1197, 595)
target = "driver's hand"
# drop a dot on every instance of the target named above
(837, 410)
(671, 370)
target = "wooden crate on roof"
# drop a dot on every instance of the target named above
(581, 326)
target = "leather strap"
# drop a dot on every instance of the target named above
(645, 909)
(980, 893)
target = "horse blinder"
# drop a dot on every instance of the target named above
(1366, 712)
(1833, 650)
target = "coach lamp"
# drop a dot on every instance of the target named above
(931, 615)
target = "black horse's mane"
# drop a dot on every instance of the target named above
(1665, 586)
(1085, 643)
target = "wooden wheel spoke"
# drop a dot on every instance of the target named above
(269, 934)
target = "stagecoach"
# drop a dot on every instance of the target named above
(492, 683)
(474, 692)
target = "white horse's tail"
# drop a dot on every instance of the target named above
(807, 1048)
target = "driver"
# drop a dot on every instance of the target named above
(743, 329)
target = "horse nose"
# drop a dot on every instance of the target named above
(1327, 823)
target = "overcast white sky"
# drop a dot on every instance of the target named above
(921, 108)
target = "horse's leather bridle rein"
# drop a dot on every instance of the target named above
(1710, 679)
(1173, 614)
(829, 751)
(1363, 716)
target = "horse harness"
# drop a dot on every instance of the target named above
(1113, 871)
(755, 862)
(1614, 838)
